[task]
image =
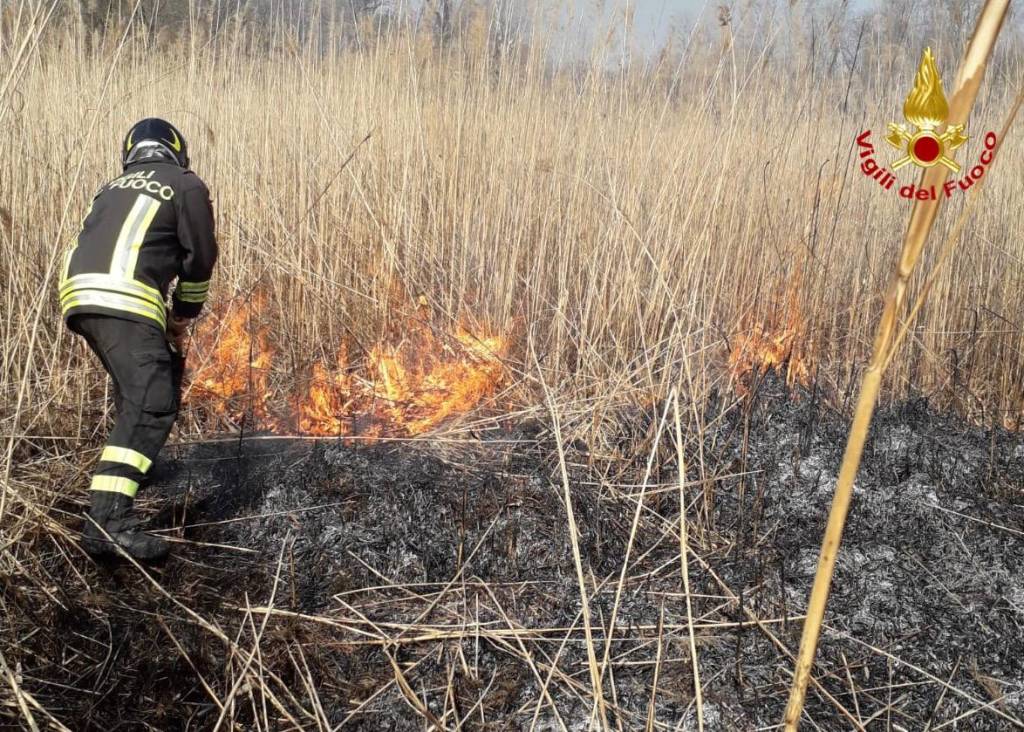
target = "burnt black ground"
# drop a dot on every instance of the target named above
(367, 537)
(930, 567)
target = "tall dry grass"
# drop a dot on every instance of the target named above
(623, 216)
(627, 217)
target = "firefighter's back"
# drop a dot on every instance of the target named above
(129, 250)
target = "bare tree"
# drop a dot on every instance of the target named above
(441, 14)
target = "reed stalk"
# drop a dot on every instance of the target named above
(922, 218)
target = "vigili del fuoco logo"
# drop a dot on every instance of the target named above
(921, 143)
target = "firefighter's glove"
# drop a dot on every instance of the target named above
(177, 327)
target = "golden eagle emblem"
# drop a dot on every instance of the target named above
(926, 109)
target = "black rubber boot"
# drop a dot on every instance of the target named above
(112, 512)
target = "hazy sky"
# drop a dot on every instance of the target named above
(653, 20)
(655, 17)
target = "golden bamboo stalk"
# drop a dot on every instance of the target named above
(922, 217)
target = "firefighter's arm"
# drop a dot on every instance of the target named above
(196, 235)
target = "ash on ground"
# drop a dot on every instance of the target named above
(421, 580)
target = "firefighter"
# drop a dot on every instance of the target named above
(146, 228)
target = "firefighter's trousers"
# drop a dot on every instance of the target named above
(147, 388)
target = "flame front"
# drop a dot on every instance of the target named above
(424, 388)
(778, 342)
(232, 359)
(926, 105)
(402, 389)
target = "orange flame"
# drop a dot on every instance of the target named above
(233, 357)
(401, 390)
(778, 342)
(323, 408)
(424, 388)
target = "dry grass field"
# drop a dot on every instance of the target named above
(464, 232)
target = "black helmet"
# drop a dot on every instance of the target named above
(154, 139)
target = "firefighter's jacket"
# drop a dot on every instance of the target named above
(145, 228)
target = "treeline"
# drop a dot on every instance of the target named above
(301, 17)
(808, 39)
(807, 23)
